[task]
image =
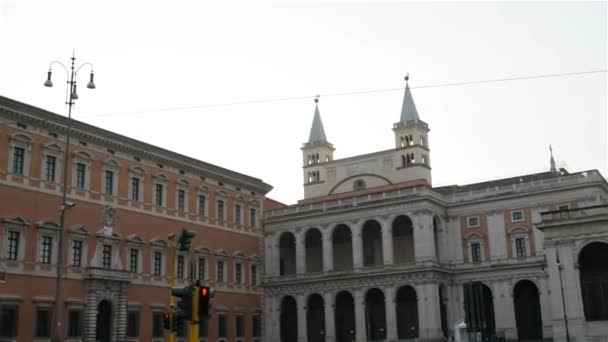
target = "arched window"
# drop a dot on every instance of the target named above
(594, 280)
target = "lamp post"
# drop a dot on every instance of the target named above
(561, 286)
(71, 96)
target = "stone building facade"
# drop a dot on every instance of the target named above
(374, 252)
(128, 198)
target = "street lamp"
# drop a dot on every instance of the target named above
(71, 95)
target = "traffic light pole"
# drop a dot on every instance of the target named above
(194, 324)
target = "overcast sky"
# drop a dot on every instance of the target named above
(151, 56)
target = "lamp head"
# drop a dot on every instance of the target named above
(48, 82)
(74, 93)
(91, 84)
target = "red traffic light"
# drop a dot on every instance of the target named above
(204, 292)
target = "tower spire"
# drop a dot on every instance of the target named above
(552, 161)
(317, 132)
(408, 109)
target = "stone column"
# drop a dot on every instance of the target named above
(302, 319)
(271, 319)
(387, 241)
(300, 252)
(328, 256)
(423, 236)
(357, 242)
(120, 307)
(429, 315)
(330, 325)
(572, 294)
(360, 315)
(90, 315)
(504, 311)
(391, 313)
(272, 255)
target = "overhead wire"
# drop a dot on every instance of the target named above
(362, 92)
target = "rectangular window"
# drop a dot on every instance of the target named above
(109, 182)
(240, 326)
(237, 214)
(159, 195)
(180, 266)
(520, 247)
(256, 325)
(132, 323)
(80, 175)
(43, 322)
(221, 325)
(201, 205)
(473, 221)
(181, 200)
(76, 253)
(74, 323)
(135, 188)
(238, 274)
(9, 320)
(254, 275)
(476, 252)
(46, 250)
(220, 271)
(202, 265)
(157, 263)
(133, 260)
(517, 216)
(49, 168)
(157, 324)
(106, 256)
(252, 218)
(13, 245)
(220, 210)
(18, 160)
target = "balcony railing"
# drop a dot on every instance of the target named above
(559, 215)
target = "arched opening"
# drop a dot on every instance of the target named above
(345, 317)
(594, 280)
(372, 243)
(403, 240)
(104, 322)
(527, 311)
(407, 312)
(375, 315)
(316, 318)
(289, 320)
(314, 251)
(287, 257)
(443, 309)
(436, 230)
(342, 248)
(479, 302)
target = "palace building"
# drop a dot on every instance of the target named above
(127, 198)
(375, 252)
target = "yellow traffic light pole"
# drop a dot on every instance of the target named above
(194, 324)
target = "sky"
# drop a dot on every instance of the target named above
(233, 84)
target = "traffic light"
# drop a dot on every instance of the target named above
(205, 293)
(167, 317)
(185, 240)
(184, 304)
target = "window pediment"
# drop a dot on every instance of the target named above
(16, 220)
(221, 253)
(239, 255)
(158, 242)
(202, 250)
(134, 238)
(79, 230)
(48, 225)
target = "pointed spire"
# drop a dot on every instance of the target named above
(408, 110)
(317, 133)
(552, 161)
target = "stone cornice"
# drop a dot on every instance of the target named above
(80, 130)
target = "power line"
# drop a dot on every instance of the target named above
(363, 92)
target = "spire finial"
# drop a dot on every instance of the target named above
(407, 76)
(317, 98)
(552, 161)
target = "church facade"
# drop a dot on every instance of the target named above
(374, 252)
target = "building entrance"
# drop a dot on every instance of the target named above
(104, 322)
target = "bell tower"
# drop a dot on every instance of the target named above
(315, 153)
(411, 137)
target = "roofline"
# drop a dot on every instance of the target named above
(43, 117)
